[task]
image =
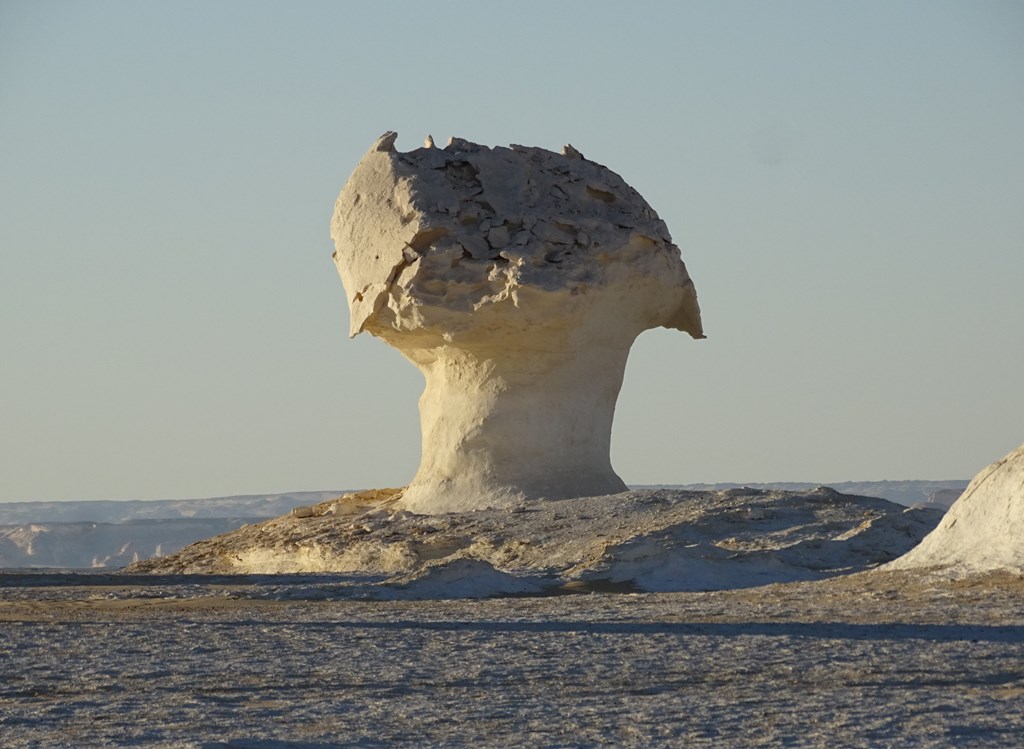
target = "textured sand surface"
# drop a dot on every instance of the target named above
(866, 660)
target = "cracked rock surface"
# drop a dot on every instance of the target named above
(425, 235)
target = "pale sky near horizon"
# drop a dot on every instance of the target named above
(845, 181)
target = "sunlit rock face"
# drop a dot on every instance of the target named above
(516, 279)
(984, 529)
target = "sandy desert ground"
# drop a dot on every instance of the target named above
(875, 659)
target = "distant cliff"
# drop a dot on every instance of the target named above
(106, 533)
(115, 511)
(940, 494)
(80, 545)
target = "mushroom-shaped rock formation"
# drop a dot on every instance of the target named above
(516, 279)
(983, 530)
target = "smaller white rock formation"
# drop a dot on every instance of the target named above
(983, 530)
(516, 279)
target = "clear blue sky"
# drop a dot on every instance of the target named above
(845, 180)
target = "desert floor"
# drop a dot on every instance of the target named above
(866, 660)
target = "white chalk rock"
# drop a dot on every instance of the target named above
(516, 279)
(984, 529)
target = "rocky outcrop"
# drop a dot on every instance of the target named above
(664, 540)
(983, 530)
(516, 279)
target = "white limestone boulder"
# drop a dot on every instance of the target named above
(983, 530)
(516, 279)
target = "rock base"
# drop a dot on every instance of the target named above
(663, 540)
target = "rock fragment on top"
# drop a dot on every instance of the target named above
(409, 251)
